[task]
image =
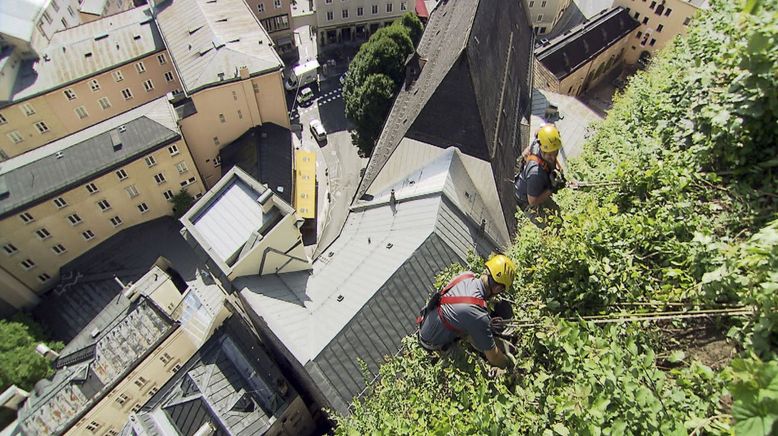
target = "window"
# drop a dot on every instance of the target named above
(328, 1)
(181, 167)
(374, 9)
(175, 368)
(88, 235)
(221, 118)
(143, 208)
(168, 195)
(15, 137)
(403, 6)
(43, 233)
(532, 4)
(360, 11)
(121, 399)
(659, 28)
(261, 8)
(165, 358)
(116, 221)
(543, 4)
(173, 150)
(91, 188)
(540, 18)
(43, 278)
(27, 264)
(26, 217)
(169, 76)
(70, 94)
(47, 16)
(103, 205)
(653, 5)
(330, 15)
(686, 21)
(58, 249)
(74, 219)
(637, 15)
(344, 13)
(653, 41)
(639, 34)
(93, 426)
(121, 174)
(140, 67)
(118, 76)
(42, 127)
(28, 109)
(161, 59)
(136, 407)
(234, 95)
(94, 85)
(389, 7)
(217, 161)
(55, 6)
(104, 103)
(60, 202)
(645, 20)
(240, 115)
(70, 11)
(81, 112)
(277, 4)
(111, 432)
(10, 249)
(148, 85)
(131, 191)
(126, 93)
(2, 119)
(159, 178)
(216, 140)
(187, 182)
(153, 391)
(667, 12)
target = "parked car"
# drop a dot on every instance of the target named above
(317, 130)
(305, 96)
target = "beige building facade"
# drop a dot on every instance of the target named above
(660, 22)
(356, 19)
(101, 194)
(544, 14)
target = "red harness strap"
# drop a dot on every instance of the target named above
(456, 300)
(537, 159)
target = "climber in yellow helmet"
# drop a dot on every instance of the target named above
(540, 177)
(459, 310)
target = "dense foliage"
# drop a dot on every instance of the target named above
(20, 364)
(374, 77)
(181, 203)
(690, 219)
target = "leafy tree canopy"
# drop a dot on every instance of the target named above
(20, 364)
(182, 202)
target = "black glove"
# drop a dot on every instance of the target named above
(558, 181)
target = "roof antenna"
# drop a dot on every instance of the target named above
(393, 202)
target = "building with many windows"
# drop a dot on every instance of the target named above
(275, 16)
(578, 59)
(544, 14)
(356, 19)
(230, 75)
(86, 75)
(62, 199)
(660, 21)
(29, 25)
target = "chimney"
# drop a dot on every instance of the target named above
(46, 352)
(264, 200)
(244, 72)
(116, 140)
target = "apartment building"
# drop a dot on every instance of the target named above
(86, 75)
(29, 26)
(91, 10)
(230, 75)
(660, 22)
(578, 59)
(340, 20)
(275, 16)
(62, 199)
(544, 14)
(136, 344)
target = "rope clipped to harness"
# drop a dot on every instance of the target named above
(439, 299)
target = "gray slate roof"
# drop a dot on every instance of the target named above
(41, 174)
(230, 382)
(208, 38)
(569, 51)
(473, 92)
(363, 294)
(85, 50)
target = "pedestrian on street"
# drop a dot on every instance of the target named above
(540, 176)
(459, 310)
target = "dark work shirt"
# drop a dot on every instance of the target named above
(533, 179)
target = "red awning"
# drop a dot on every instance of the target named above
(421, 9)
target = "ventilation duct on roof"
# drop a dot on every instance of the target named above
(217, 43)
(116, 140)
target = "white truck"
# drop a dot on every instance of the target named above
(302, 75)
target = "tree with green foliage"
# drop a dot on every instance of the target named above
(181, 203)
(20, 364)
(690, 220)
(411, 21)
(374, 77)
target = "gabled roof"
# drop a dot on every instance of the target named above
(85, 50)
(361, 298)
(569, 51)
(210, 40)
(68, 162)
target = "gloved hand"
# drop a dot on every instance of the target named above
(558, 181)
(497, 324)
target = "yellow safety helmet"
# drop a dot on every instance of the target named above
(549, 138)
(502, 269)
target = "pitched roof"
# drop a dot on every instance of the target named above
(68, 162)
(569, 51)
(210, 40)
(18, 18)
(364, 291)
(85, 50)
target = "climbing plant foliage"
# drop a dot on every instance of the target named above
(690, 149)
